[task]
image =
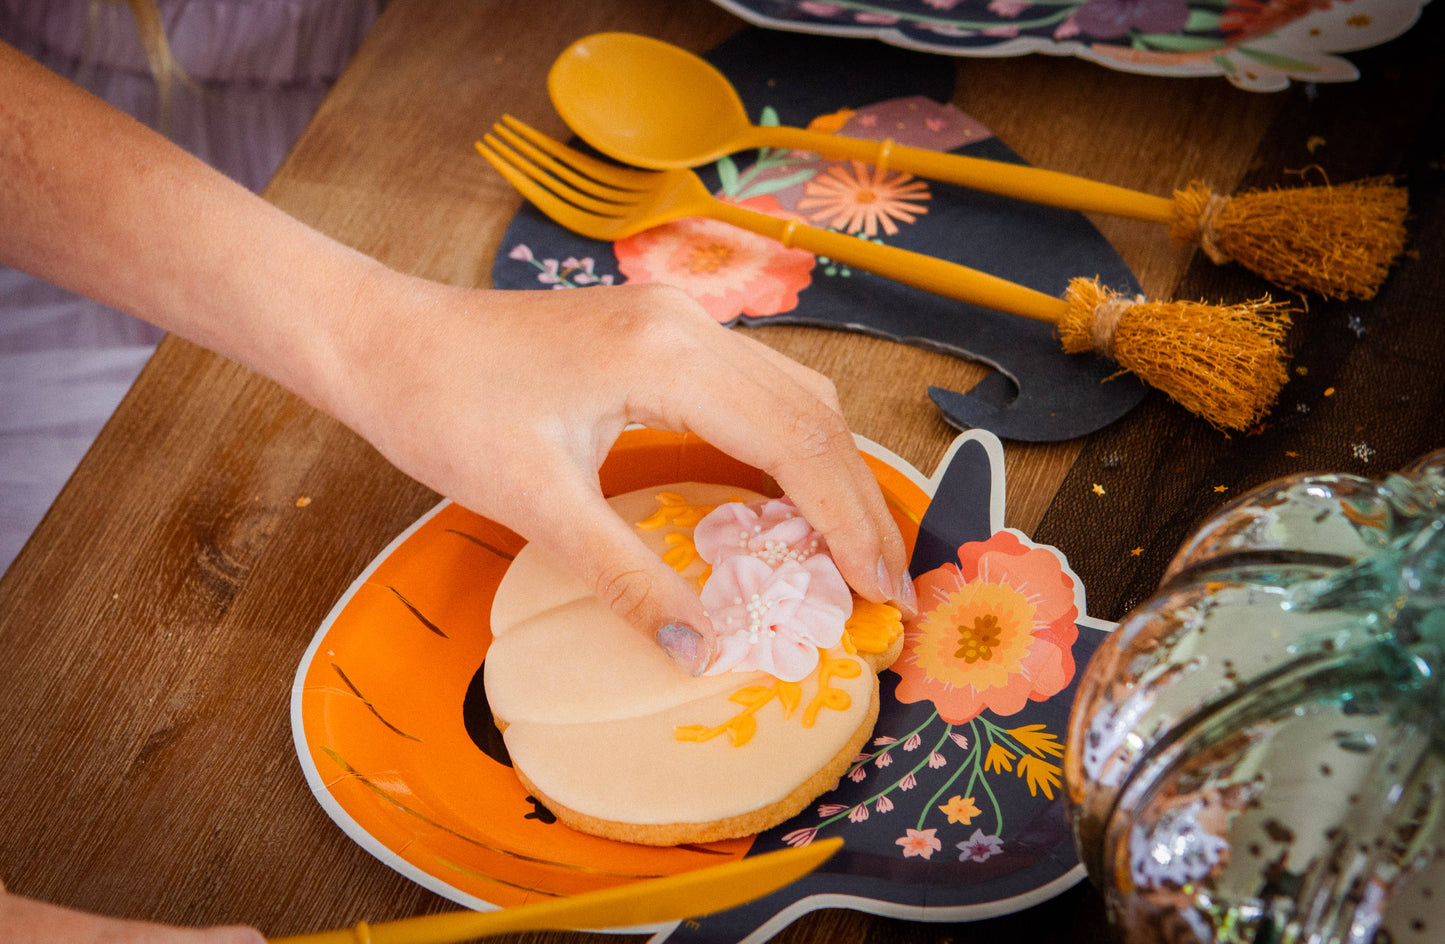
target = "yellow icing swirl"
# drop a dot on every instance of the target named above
(741, 727)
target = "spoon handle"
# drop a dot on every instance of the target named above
(931, 274)
(1020, 181)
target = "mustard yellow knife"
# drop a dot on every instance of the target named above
(688, 895)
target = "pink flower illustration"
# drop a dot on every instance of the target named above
(978, 847)
(1111, 19)
(729, 271)
(920, 842)
(801, 837)
(856, 197)
(994, 631)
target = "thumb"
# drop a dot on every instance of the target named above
(633, 580)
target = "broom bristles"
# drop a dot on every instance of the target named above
(1338, 242)
(1225, 363)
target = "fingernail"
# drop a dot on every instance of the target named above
(910, 598)
(685, 646)
(906, 597)
(885, 581)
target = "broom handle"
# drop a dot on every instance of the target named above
(1020, 181)
(948, 279)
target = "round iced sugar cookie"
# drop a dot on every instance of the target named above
(619, 742)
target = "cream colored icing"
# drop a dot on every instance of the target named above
(592, 707)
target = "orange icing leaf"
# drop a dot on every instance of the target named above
(674, 509)
(742, 728)
(790, 694)
(682, 551)
(873, 626)
(754, 696)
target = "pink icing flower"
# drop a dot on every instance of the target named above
(774, 596)
(772, 530)
(775, 620)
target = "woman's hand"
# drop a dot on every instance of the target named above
(504, 401)
(509, 401)
(26, 921)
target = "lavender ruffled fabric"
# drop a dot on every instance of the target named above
(260, 68)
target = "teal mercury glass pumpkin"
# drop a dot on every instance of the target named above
(1257, 754)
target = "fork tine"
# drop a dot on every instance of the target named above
(625, 178)
(564, 173)
(561, 202)
(594, 225)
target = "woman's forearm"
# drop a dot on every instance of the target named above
(97, 203)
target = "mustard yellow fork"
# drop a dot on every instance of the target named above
(604, 201)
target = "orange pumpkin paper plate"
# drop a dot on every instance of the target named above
(393, 733)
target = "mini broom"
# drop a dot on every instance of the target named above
(1225, 363)
(1336, 241)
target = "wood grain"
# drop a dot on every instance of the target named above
(150, 630)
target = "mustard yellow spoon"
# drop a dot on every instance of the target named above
(688, 895)
(651, 104)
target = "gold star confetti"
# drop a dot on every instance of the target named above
(1221, 488)
(1291, 453)
(1098, 489)
(1136, 552)
(1329, 391)
(303, 501)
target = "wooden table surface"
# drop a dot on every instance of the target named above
(150, 630)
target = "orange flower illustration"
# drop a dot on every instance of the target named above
(864, 199)
(1246, 19)
(994, 631)
(729, 271)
